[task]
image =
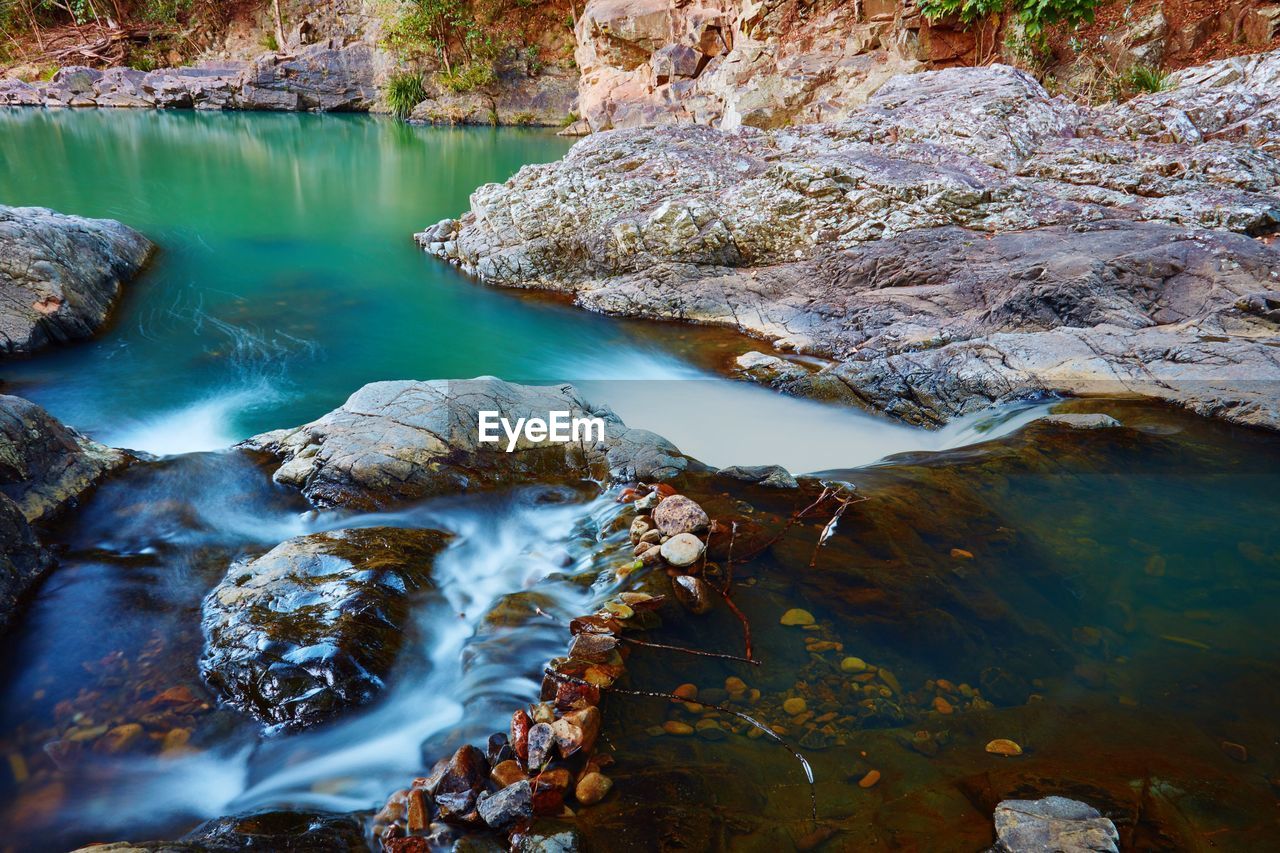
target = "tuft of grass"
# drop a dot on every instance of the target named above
(1144, 78)
(269, 42)
(474, 75)
(405, 90)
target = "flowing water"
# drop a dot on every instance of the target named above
(286, 279)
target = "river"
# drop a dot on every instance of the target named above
(286, 279)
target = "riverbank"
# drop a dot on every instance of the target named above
(963, 239)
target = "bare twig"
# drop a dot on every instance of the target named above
(653, 694)
(689, 651)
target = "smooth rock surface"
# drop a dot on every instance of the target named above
(298, 832)
(314, 625)
(962, 240)
(60, 275)
(1053, 823)
(402, 441)
(22, 560)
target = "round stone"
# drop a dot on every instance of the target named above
(683, 549)
(797, 617)
(677, 514)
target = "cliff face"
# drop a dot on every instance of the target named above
(760, 63)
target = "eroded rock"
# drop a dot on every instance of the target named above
(60, 275)
(1053, 823)
(961, 240)
(314, 625)
(402, 441)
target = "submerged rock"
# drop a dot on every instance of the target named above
(314, 625)
(963, 239)
(403, 441)
(297, 832)
(61, 274)
(1053, 823)
(44, 464)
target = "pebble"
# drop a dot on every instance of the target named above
(542, 740)
(639, 528)
(735, 685)
(693, 593)
(797, 617)
(1003, 746)
(1235, 750)
(419, 816)
(961, 554)
(942, 706)
(675, 727)
(869, 780)
(888, 678)
(687, 692)
(119, 739)
(710, 730)
(592, 788)
(507, 773)
(794, 706)
(682, 550)
(852, 664)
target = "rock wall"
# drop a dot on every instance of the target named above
(962, 239)
(731, 63)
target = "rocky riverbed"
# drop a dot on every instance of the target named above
(963, 239)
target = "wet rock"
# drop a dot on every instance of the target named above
(693, 593)
(1053, 823)
(120, 739)
(23, 560)
(325, 77)
(313, 626)
(797, 617)
(46, 466)
(770, 476)
(592, 788)
(682, 550)
(466, 770)
(507, 773)
(502, 808)
(1083, 421)
(401, 441)
(542, 742)
(273, 831)
(60, 275)
(547, 836)
(1003, 746)
(678, 514)
(970, 238)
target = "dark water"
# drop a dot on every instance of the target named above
(1111, 607)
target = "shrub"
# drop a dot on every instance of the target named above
(405, 91)
(474, 75)
(1035, 15)
(1144, 78)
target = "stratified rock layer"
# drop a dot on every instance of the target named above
(313, 626)
(393, 442)
(963, 239)
(60, 275)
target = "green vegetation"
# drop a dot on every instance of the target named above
(405, 91)
(1034, 15)
(1144, 78)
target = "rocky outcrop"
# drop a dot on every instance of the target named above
(44, 465)
(547, 99)
(313, 626)
(729, 64)
(1053, 823)
(44, 468)
(326, 77)
(393, 442)
(961, 240)
(60, 275)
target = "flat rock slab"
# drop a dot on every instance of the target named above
(1053, 824)
(60, 275)
(314, 625)
(393, 442)
(962, 239)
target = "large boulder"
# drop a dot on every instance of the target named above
(314, 625)
(393, 442)
(329, 77)
(44, 465)
(962, 239)
(60, 275)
